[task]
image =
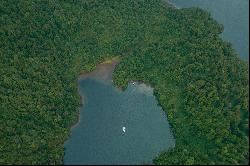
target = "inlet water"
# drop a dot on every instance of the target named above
(99, 137)
(233, 14)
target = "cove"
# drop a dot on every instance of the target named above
(98, 137)
(233, 14)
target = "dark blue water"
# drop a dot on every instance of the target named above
(99, 138)
(233, 14)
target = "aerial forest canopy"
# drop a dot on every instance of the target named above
(197, 77)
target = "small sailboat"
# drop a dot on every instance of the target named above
(124, 129)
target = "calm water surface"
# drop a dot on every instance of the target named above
(233, 14)
(99, 138)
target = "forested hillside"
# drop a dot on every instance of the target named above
(197, 77)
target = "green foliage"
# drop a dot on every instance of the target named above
(198, 80)
(200, 83)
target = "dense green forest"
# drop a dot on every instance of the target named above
(198, 79)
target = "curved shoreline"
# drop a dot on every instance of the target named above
(108, 64)
(142, 86)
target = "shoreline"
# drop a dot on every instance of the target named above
(110, 64)
(82, 75)
(170, 4)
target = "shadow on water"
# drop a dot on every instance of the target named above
(99, 136)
